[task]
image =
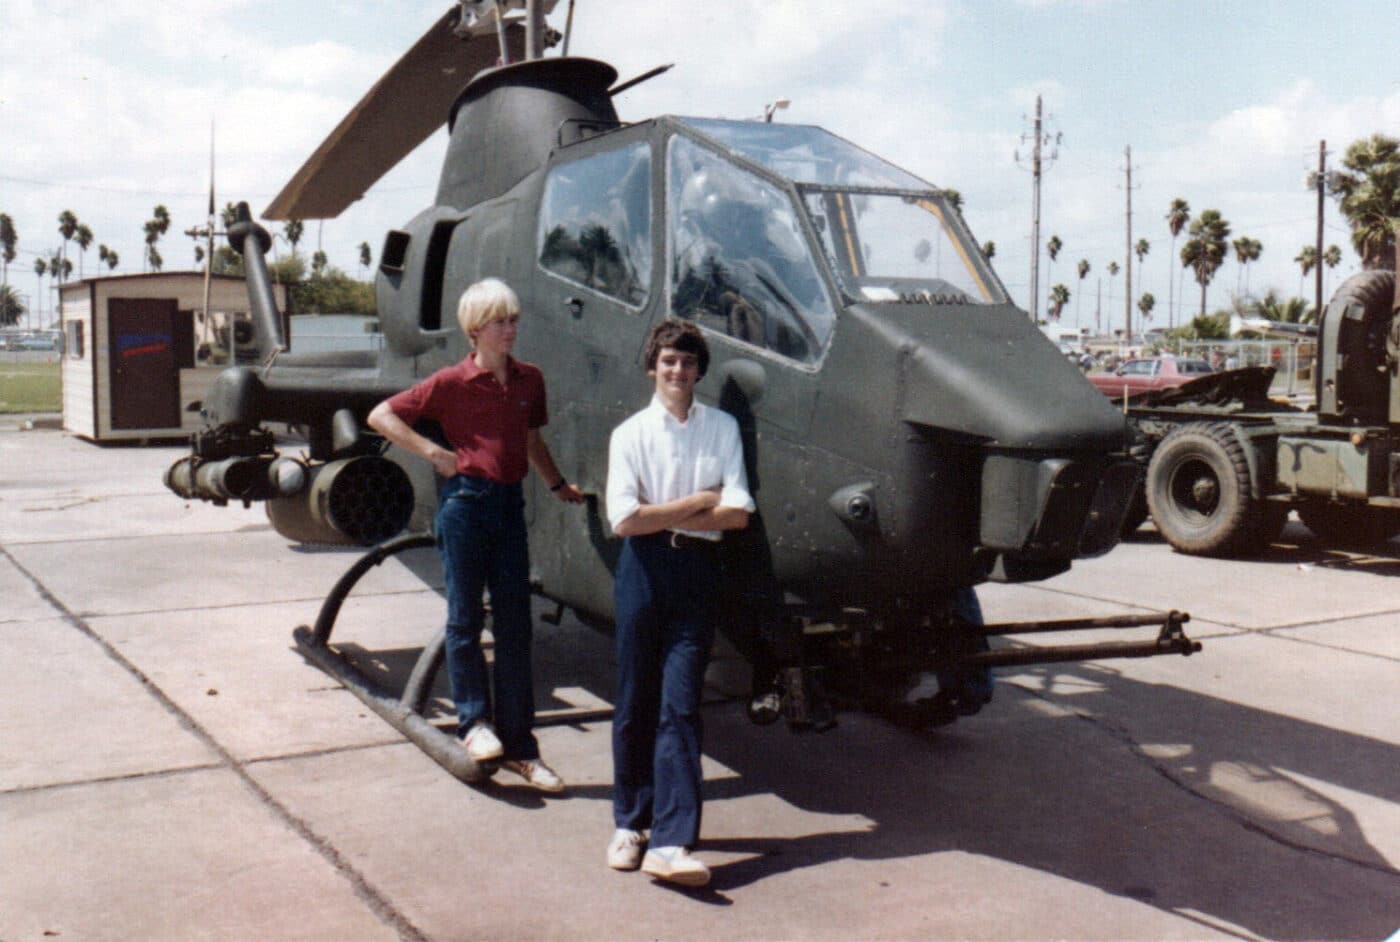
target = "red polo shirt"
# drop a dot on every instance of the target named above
(486, 423)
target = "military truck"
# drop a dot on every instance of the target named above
(1224, 464)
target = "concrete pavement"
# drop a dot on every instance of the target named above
(171, 769)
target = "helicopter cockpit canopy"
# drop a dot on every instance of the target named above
(886, 234)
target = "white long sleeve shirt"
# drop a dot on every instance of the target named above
(654, 458)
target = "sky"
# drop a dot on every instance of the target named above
(106, 110)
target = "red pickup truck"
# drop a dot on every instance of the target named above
(1149, 373)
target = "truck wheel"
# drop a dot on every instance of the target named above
(1198, 492)
(1349, 525)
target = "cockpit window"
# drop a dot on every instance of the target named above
(907, 248)
(806, 154)
(888, 235)
(595, 222)
(740, 264)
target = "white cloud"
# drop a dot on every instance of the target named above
(108, 113)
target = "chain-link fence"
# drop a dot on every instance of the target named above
(1292, 360)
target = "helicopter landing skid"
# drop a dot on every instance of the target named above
(407, 711)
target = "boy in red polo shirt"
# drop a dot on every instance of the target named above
(491, 408)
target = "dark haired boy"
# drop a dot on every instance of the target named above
(675, 483)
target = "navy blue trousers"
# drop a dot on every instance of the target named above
(481, 537)
(665, 627)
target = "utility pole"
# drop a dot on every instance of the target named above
(1039, 164)
(1128, 252)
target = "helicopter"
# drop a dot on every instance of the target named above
(908, 431)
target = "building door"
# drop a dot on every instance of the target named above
(145, 374)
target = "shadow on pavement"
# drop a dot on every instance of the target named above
(1242, 842)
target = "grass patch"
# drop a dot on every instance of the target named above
(31, 387)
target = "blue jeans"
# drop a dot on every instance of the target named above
(481, 537)
(665, 627)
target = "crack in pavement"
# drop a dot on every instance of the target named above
(377, 902)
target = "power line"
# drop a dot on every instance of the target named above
(98, 189)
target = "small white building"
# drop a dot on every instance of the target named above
(333, 333)
(139, 349)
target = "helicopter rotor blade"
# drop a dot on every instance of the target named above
(406, 105)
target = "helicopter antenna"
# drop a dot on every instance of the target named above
(568, 28)
(650, 74)
(208, 232)
(501, 37)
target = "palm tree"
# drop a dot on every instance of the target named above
(599, 250)
(83, 236)
(1331, 258)
(1370, 191)
(954, 199)
(9, 238)
(1246, 250)
(365, 257)
(1083, 270)
(155, 227)
(291, 231)
(41, 268)
(67, 227)
(1306, 259)
(1292, 311)
(1145, 305)
(112, 260)
(11, 307)
(1204, 252)
(1059, 297)
(1113, 268)
(1052, 249)
(1177, 217)
(318, 263)
(1140, 250)
(989, 249)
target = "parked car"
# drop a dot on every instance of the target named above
(1148, 373)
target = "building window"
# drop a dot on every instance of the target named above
(73, 339)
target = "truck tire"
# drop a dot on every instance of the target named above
(1349, 525)
(1198, 492)
(1352, 350)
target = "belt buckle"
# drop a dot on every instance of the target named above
(676, 539)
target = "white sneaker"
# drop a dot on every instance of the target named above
(536, 773)
(481, 743)
(625, 849)
(675, 865)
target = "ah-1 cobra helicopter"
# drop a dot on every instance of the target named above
(908, 431)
